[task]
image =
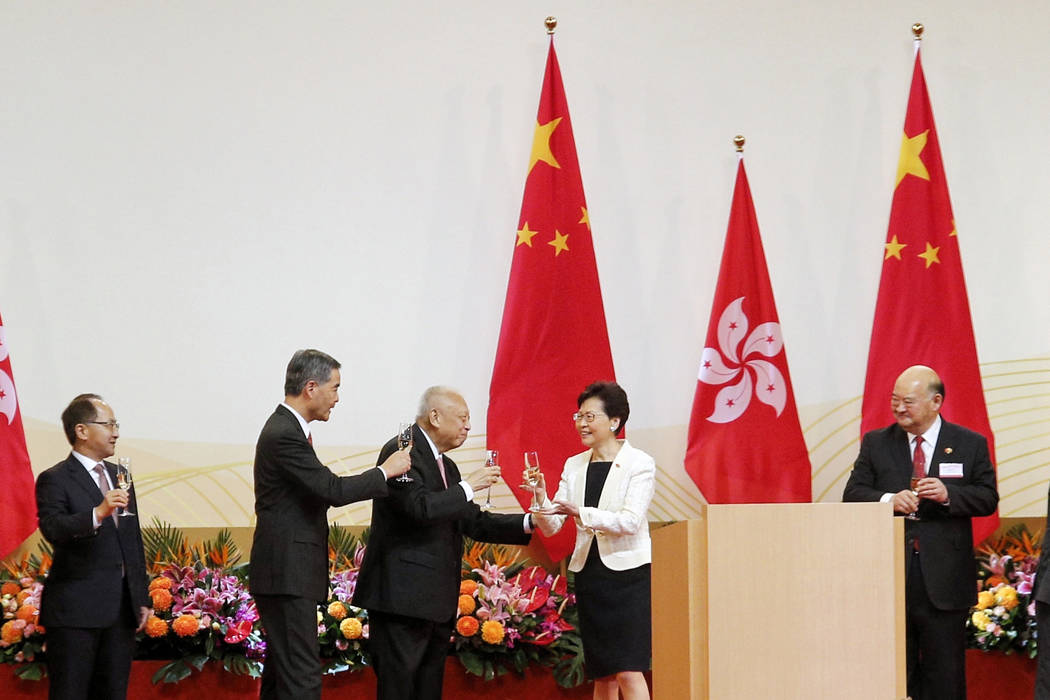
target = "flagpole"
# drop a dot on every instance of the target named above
(551, 22)
(917, 29)
(738, 141)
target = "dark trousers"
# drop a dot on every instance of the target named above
(292, 670)
(1042, 672)
(408, 655)
(936, 643)
(91, 663)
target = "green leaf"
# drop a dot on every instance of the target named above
(472, 663)
(31, 672)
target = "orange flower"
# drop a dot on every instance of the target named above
(22, 595)
(10, 588)
(11, 632)
(351, 628)
(492, 632)
(27, 613)
(468, 586)
(156, 627)
(160, 582)
(185, 625)
(466, 604)
(467, 626)
(161, 599)
(337, 610)
(994, 581)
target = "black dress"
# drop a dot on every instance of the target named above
(614, 606)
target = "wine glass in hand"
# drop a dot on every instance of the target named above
(914, 485)
(491, 460)
(124, 482)
(404, 440)
(532, 478)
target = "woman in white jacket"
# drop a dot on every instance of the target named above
(607, 490)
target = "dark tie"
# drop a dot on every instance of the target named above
(918, 460)
(441, 468)
(103, 486)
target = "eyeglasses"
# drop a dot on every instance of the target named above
(587, 417)
(112, 424)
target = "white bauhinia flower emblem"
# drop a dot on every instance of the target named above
(755, 375)
(8, 402)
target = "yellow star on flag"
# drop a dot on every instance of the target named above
(893, 249)
(911, 162)
(930, 255)
(541, 144)
(585, 219)
(954, 231)
(560, 243)
(525, 235)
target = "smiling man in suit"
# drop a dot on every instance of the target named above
(293, 491)
(95, 595)
(956, 481)
(409, 579)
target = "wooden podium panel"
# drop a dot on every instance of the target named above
(792, 600)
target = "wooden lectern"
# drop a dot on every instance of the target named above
(780, 601)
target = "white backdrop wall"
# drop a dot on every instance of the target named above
(191, 191)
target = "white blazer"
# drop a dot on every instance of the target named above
(620, 521)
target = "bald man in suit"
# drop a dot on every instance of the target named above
(959, 484)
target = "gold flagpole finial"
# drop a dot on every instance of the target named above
(551, 22)
(738, 141)
(917, 29)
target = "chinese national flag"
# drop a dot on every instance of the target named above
(745, 442)
(17, 498)
(553, 341)
(922, 316)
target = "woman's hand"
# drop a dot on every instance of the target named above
(562, 507)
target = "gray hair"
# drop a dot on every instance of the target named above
(306, 366)
(430, 396)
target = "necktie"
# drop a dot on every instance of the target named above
(310, 439)
(918, 460)
(103, 486)
(441, 468)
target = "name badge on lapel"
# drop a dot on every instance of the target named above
(951, 470)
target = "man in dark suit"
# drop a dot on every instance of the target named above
(293, 491)
(1041, 593)
(95, 595)
(409, 579)
(959, 483)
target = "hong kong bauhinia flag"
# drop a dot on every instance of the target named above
(922, 315)
(745, 442)
(553, 340)
(17, 502)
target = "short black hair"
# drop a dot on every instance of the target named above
(308, 365)
(80, 410)
(613, 398)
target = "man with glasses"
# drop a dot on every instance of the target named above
(95, 596)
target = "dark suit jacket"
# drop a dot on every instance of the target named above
(1042, 574)
(84, 586)
(945, 535)
(293, 492)
(414, 555)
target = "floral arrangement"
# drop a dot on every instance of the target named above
(510, 615)
(1004, 617)
(21, 636)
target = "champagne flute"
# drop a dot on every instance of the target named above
(404, 440)
(532, 477)
(913, 485)
(124, 482)
(491, 460)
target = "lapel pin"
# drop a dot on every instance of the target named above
(947, 450)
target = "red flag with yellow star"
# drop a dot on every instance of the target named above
(553, 341)
(922, 316)
(17, 504)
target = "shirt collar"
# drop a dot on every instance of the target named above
(433, 447)
(931, 434)
(302, 421)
